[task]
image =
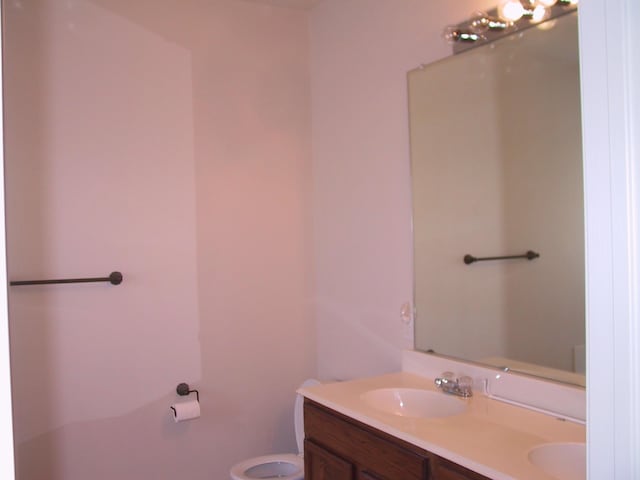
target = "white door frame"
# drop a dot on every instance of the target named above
(610, 77)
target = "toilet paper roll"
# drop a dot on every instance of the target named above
(185, 410)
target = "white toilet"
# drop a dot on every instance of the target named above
(286, 466)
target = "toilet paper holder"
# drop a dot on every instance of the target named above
(183, 390)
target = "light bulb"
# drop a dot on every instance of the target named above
(538, 14)
(451, 34)
(479, 22)
(547, 3)
(511, 10)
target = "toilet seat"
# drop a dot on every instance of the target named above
(286, 466)
(283, 467)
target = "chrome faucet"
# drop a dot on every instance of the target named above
(455, 386)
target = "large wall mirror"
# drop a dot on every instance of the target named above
(497, 171)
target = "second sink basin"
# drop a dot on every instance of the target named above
(413, 402)
(564, 461)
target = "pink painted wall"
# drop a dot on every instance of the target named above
(169, 140)
(361, 51)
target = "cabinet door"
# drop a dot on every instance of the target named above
(320, 464)
(445, 470)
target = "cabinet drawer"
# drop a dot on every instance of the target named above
(385, 457)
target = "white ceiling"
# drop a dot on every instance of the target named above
(300, 4)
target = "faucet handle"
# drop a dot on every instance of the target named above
(445, 379)
(465, 383)
(448, 376)
(462, 386)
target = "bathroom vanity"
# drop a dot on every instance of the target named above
(339, 448)
(401, 427)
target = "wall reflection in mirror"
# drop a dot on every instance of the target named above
(497, 171)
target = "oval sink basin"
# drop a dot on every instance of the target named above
(564, 461)
(413, 402)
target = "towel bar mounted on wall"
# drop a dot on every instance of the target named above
(530, 255)
(115, 278)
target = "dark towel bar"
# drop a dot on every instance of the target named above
(530, 255)
(115, 278)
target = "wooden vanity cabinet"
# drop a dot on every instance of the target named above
(337, 447)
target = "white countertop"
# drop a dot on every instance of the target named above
(491, 437)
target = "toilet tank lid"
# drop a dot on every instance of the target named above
(298, 414)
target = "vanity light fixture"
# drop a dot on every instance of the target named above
(452, 35)
(533, 10)
(509, 15)
(475, 29)
(482, 22)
